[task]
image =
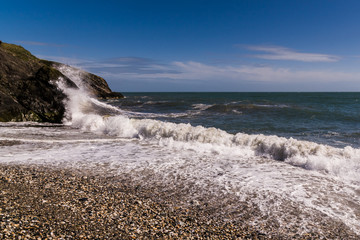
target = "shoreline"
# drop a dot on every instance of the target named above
(37, 202)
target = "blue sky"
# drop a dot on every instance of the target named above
(244, 45)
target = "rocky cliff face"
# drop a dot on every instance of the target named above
(28, 89)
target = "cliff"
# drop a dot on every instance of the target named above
(27, 89)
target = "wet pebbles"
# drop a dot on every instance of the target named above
(39, 203)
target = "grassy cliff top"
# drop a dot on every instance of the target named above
(18, 51)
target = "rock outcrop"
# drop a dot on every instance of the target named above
(27, 87)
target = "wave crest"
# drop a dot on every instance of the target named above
(89, 114)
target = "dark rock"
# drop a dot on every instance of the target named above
(83, 199)
(27, 92)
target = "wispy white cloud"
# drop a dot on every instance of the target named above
(139, 69)
(282, 53)
(189, 71)
(76, 62)
(128, 65)
(33, 43)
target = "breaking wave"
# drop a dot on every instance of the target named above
(89, 114)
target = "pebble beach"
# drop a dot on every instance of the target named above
(42, 203)
(39, 203)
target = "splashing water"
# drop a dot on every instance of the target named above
(293, 181)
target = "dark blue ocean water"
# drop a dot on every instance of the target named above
(326, 118)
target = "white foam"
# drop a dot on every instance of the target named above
(66, 141)
(340, 162)
(308, 155)
(274, 186)
(201, 106)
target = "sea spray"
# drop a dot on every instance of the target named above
(83, 111)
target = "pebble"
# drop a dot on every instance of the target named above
(60, 204)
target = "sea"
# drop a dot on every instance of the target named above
(294, 156)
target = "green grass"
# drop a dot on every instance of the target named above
(18, 51)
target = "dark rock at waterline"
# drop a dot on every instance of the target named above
(27, 89)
